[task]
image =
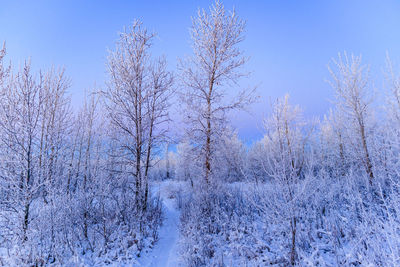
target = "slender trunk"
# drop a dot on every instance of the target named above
(167, 162)
(45, 163)
(87, 159)
(341, 153)
(85, 225)
(26, 219)
(138, 111)
(85, 180)
(208, 157)
(104, 226)
(191, 181)
(146, 172)
(52, 140)
(368, 164)
(27, 187)
(341, 149)
(149, 145)
(41, 153)
(70, 166)
(138, 178)
(293, 223)
(79, 160)
(209, 110)
(208, 136)
(208, 152)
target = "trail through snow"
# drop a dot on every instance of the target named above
(165, 251)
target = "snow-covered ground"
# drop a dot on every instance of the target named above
(165, 252)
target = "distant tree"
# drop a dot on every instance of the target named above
(186, 167)
(214, 67)
(334, 138)
(4, 71)
(256, 161)
(390, 129)
(167, 163)
(230, 158)
(393, 84)
(90, 127)
(55, 128)
(350, 80)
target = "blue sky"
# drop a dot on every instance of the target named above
(290, 43)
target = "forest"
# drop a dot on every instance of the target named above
(111, 184)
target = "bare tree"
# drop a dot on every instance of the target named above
(86, 156)
(287, 138)
(90, 130)
(214, 67)
(21, 103)
(137, 102)
(157, 105)
(4, 71)
(32, 129)
(335, 142)
(55, 117)
(350, 80)
(186, 163)
(393, 82)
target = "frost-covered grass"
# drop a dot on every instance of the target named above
(342, 222)
(339, 223)
(56, 236)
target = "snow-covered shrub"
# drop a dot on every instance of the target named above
(219, 228)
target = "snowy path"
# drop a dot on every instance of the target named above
(165, 252)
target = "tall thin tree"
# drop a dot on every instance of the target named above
(137, 102)
(350, 80)
(215, 66)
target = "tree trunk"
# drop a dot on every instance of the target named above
(26, 220)
(208, 135)
(138, 145)
(293, 245)
(368, 164)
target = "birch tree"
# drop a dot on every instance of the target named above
(31, 128)
(55, 128)
(334, 141)
(286, 142)
(209, 74)
(4, 71)
(20, 108)
(350, 80)
(391, 129)
(393, 83)
(137, 102)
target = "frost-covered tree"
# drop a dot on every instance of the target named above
(4, 70)
(215, 66)
(230, 158)
(393, 84)
(33, 129)
(335, 143)
(389, 129)
(256, 161)
(286, 165)
(186, 164)
(351, 82)
(137, 103)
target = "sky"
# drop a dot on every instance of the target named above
(290, 43)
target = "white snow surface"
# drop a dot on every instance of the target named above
(165, 251)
